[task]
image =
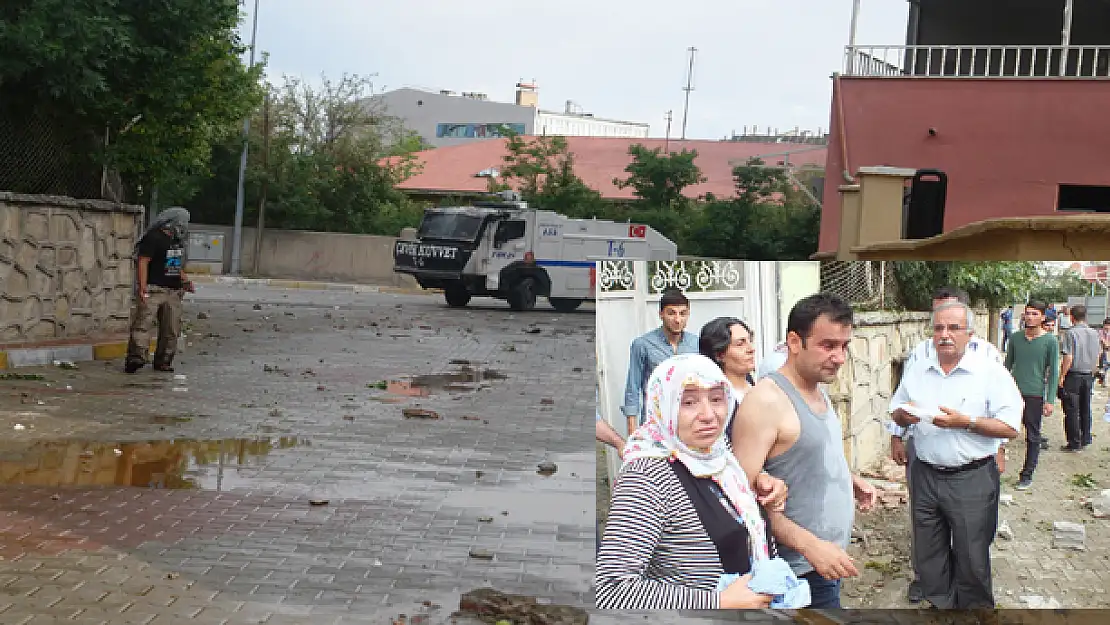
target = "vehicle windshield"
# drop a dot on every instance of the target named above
(455, 226)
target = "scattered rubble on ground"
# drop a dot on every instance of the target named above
(419, 413)
(492, 606)
(1037, 602)
(1100, 505)
(1068, 535)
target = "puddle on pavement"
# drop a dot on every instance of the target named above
(466, 378)
(566, 496)
(176, 464)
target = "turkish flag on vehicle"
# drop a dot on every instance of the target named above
(638, 232)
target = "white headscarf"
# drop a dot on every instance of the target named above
(658, 438)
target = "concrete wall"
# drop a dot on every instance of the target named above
(301, 255)
(65, 267)
(862, 391)
(422, 111)
(992, 170)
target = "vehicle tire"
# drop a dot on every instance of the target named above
(456, 296)
(522, 295)
(564, 305)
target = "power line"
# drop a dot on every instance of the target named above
(688, 88)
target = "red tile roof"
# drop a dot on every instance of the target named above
(598, 160)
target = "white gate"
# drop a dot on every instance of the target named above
(628, 295)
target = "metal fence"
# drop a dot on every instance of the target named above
(1091, 62)
(869, 285)
(43, 154)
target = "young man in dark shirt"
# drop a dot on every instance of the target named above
(160, 289)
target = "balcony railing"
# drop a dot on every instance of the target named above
(978, 61)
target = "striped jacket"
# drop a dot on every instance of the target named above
(656, 553)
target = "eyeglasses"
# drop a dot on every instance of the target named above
(951, 327)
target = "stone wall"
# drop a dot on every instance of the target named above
(65, 267)
(304, 255)
(862, 391)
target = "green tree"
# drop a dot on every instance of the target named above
(1058, 285)
(994, 284)
(541, 169)
(164, 80)
(659, 179)
(323, 169)
(769, 219)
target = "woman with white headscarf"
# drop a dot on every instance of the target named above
(683, 515)
(160, 286)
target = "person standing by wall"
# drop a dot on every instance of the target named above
(1007, 326)
(1033, 359)
(901, 439)
(160, 289)
(972, 404)
(1081, 349)
(650, 349)
(1104, 359)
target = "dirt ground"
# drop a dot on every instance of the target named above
(1028, 570)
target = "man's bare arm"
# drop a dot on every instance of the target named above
(789, 533)
(755, 430)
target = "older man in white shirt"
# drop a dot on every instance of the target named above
(962, 407)
(901, 439)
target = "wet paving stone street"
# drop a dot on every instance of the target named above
(317, 457)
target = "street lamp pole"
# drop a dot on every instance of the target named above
(237, 234)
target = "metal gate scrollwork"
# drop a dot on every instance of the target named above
(696, 275)
(616, 275)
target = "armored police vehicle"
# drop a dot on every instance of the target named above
(506, 250)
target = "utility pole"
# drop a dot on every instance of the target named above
(265, 183)
(1065, 36)
(851, 65)
(237, 233)
(667, 141)
(688, 88)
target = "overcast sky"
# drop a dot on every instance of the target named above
(764, 63)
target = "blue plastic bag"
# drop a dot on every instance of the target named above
(774, 577)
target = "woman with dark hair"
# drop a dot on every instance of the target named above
(730, 343)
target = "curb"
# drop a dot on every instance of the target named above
(312, 285)
(16, 357)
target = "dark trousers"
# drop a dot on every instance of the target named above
(824, 594)
(1076, 400)
(955, 517)
(1032, 418)
(910, 458)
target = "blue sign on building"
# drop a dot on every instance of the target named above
(475, 131)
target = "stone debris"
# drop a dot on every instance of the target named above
(492, 606)
(1004, 531)
(547, 468)
(1100, 505)
(1068, 535)
(419, 413)
(1037, 602)
(1005, 500)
